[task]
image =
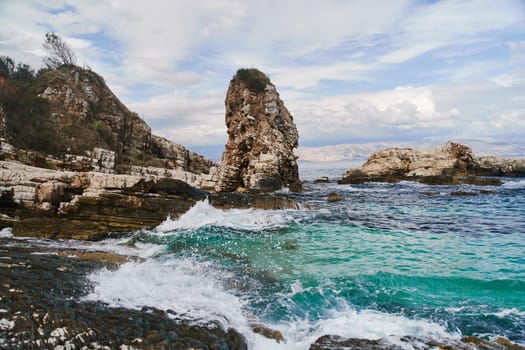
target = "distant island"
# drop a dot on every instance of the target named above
(361, 151)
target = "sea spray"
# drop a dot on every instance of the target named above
(203, 214)
(194, 291)
(6, 232)
(186, 286)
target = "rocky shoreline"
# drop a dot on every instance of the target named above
(41, 307)
(109, 173)
(89, 205)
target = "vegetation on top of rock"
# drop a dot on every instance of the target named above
(254, 79)
(20, 72)
(60, 54)
(28, 123)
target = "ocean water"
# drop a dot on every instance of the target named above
(388, 260)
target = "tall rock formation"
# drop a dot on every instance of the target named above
(261, 137)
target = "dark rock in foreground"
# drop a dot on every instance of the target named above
(332, 342)
(41, 309)
(448, 165)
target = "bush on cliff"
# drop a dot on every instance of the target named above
(254, 79)
(28, 123)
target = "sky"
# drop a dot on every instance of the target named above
(349, 71)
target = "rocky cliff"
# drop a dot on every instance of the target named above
(88, 205)
(80, 125)
(261, 137)
(452, 163)
(76, 163)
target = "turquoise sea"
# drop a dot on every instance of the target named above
(388, 260)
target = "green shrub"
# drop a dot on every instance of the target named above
(254, 79)
(28, 123)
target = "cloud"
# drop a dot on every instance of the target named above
(422, 68)
(452, 23)
(407, 113)
(403, 112)
(195, 121)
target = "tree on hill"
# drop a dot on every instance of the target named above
(7, 66)
(60, 53)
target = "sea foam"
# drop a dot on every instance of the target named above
(185, 286)
(203, 214)
(6, 232)
(514, 184)
(194, 290)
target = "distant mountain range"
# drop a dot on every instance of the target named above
(362, 151)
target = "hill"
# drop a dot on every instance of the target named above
(71, 111)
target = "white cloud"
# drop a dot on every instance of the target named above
(451, 23)
(510, 79)
(182, 48)
(344, 118)
(196, 121)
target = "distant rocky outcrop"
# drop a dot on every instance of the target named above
(450, 164)
(261, 137)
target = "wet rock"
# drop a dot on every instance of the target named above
(261, 137)
(268, 332)
(430, 193)
(107, 258)
(458, 180)
(44, 311)
(498, 343)
(322, 179)
(331, 342)
(259, 328)
(229, 200)
(487, 192)
(448, 165)
(463, 193)
(333, 197)
(290, 245)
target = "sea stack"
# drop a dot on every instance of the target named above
(261, 137)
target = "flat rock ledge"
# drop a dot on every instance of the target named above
(451, 164)
(46, 203)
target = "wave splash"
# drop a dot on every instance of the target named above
(186, 286)
(195, 290)
(203, 214)
(6, 232)
(514, 184)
